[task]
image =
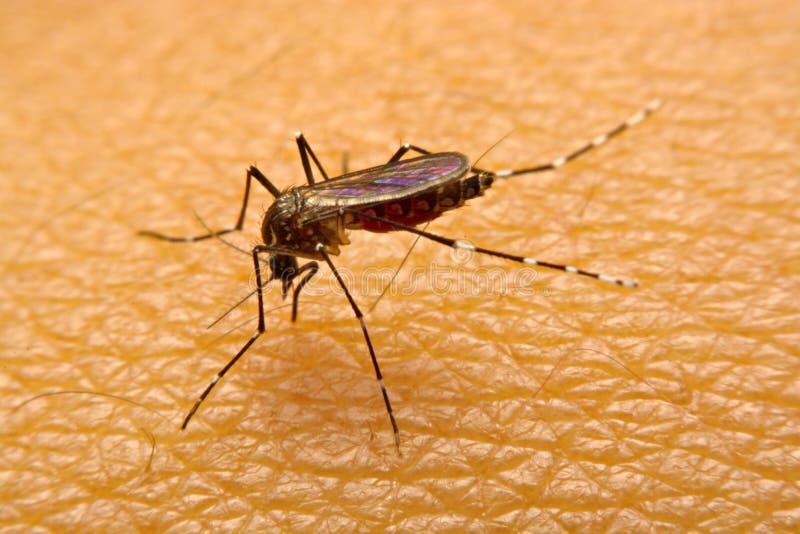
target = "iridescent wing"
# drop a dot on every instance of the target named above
(393, 181)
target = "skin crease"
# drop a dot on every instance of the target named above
(557, 404)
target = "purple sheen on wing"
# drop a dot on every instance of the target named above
(401, 176)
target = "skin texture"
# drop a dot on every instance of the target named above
(558, 404)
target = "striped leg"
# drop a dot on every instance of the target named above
(312, 267)
(405, 148)
(305, 151)
(454, 243)
(360, 317)
(258, 249)
(252, 172)
(594, 143)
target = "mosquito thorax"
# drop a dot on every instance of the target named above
(486, 179)
(279, 227)
(284, 226)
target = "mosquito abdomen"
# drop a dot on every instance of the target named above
(424, 207)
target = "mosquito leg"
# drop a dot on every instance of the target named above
(360, 317)
(397, 271)
(345, 162)
(454, 243)
(252, 172)
(305, 150)
(405, 148)
(258, 249)
(312, 267)
(594, 143)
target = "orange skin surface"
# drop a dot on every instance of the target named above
(526, 400)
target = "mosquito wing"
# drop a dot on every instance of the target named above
(394, 181)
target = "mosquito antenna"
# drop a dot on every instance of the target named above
(217, 236)
(506, 136)
(228, 243)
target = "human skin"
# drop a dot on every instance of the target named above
(564, 404)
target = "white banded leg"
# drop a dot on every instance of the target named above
(455, 243)
(594, 143)
(360, 316)
(258, 249)
(252, 173)
(406, 148)
(305, 150)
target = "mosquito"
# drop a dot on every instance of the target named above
(312, 221)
